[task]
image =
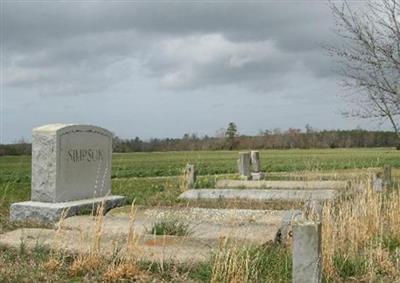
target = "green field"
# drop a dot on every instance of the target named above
(150, 178)
(154, 164)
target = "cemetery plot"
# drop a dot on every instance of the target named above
(203, 230)
(184, 233)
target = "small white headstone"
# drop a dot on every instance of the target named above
(190, 175)
(378, 185)
(255, 161)
(244, 164)
(387, 176)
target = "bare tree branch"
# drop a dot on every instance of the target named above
(369, 57)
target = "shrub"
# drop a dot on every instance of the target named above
(170, 226)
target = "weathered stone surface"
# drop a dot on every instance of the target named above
(45, 212)
(377, 184)
(255, 161)
(257, 176)
(260, 195)
(230, 216)
(70, 162)
(207, 227)
(190, 176)
(337, 174)
(387, 175)
(285, 230)
(244, 164)
(307, 257)
(319, 185)
(71, 171)
(148, 247)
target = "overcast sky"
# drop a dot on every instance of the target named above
(162, 69)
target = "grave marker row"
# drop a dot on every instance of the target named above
(246, 162)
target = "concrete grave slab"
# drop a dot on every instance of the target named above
(148, 247)
(256, 226)
(259, 194)
(296, 185)
(207, 228)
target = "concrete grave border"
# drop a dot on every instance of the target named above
(260, 195)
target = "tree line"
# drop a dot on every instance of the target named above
(292, 138)
(268, 139)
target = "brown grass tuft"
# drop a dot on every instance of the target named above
(124, 270)
(52, 265)
(84, 264)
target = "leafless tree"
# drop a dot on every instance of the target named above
(369, 57)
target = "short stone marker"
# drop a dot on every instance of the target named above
(255, 161)
(71, 172)
(256, 174)
(190, 175)
(382, 180)
(284, 234)
(244, 165)
(377, 182)
(307, 255)
(387, 175)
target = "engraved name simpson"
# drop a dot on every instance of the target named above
(82, 155)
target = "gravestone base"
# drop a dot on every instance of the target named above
(258, 176)
(244, 178)
(50, 213)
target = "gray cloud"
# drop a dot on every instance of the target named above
(67, 48)
(153, 69)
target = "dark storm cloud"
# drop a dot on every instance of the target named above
(248, 20)
(83, 47)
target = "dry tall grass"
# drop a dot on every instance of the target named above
(232, 264)
(361, 235)
(90, 262)
(244, 263)
(360, 243)
(124, 264)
